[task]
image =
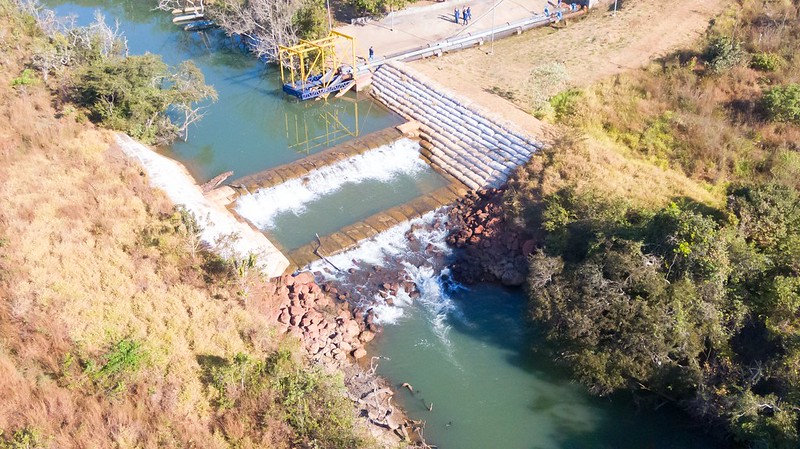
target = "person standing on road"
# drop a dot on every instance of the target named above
(455, 14)
(469, 13)
(371, 53)
(464, 16)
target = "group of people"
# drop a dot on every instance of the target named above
(466, 15)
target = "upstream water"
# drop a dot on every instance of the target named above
(254, 126)
(466, 351)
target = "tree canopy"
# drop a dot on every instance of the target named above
(698, 307)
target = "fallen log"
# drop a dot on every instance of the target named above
(215, 181)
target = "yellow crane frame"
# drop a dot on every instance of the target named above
(309, 58)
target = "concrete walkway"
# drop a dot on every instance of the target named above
(417, 26)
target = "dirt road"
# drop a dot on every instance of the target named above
(590, 49)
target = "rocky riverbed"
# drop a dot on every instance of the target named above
(334, 334)
(335, 311)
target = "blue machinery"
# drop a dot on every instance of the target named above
(315, 69)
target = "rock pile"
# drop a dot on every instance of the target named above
(322, 319)
(334, 335)
(493, 249)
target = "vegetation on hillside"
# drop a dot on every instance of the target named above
(679, 280)
(115, 328)
(263, 25)
(89, 67)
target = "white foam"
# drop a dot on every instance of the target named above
(391, 314)
(381, 164)
(373, 251)
(221, 230)
(433, 298)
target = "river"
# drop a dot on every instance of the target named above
(467, 351)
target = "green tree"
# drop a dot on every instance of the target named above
(782, 103)
(135, 94)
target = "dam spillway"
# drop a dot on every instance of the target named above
(301, 168)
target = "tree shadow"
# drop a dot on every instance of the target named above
(500, 317)
(207, 364)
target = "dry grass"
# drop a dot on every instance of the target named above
(590, 49)
(77, 275)
(600, 168)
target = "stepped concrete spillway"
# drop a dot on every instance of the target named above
(301, 168)
(349, 237)
(457, 139)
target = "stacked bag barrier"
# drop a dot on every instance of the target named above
(475, 149)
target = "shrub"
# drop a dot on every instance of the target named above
(782, 103)
(119, 363)
(311, 401)
(26, 78)
(311, 20)
(766, 62)
(723, 53)
(564, 103)
(26, 438)
(133, 95)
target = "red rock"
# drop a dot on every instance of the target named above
(304, 278)
(359, 353)
(297, 311)
(478, 230)
(287, 280)
(284, 317)
(366, 336)
(351, 328)
(323, 301)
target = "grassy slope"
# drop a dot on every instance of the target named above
(90, 255)
(676, 130)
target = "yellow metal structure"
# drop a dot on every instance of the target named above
(314, 66)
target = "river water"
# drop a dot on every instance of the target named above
(468, 352)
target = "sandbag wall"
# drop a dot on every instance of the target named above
(478, 151)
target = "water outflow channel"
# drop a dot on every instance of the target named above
(467, 351)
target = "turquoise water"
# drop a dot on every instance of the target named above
(489, 389)
(253, 126)
(484, 372)
(333, 212)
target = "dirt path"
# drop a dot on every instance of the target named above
(591, 49)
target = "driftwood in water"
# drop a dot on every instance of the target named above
(215, 181)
